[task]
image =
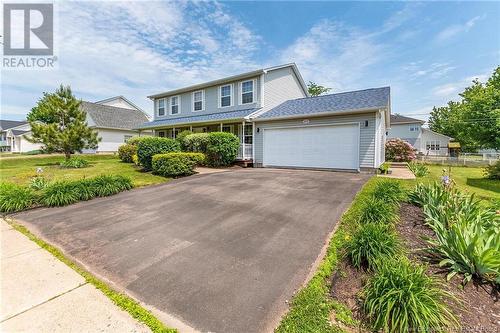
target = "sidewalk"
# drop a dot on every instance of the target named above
(41, 294)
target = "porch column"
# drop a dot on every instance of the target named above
(191, 128)
(221, 127)
(243, 141)
(173, 132)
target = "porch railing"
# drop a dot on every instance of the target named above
(248, 151)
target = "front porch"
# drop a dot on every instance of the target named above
(243, 130)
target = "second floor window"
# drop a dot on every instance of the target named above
(161, 107)
(225, 96)
(247, 92)
(174, 105)
(198, 100)
(414, 128)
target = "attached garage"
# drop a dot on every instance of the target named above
(334, 146)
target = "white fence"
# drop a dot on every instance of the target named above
(465, 159)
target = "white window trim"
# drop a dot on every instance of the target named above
(430, 143)
(202, 100)
(230, 96)
(414, 128)
(240, 102)
(158, 107)
(178, 105)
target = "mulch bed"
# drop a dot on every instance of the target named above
(480, 307)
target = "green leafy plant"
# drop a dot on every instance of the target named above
(196, 143)
(384, 168)
(126, 152)
(14, 198)
(136, 139)
(222, 149)
(176, 164)
(181, 138)
(398, 150)
(74, 163)
(371, 243)
(389, 190)
(418, 169)
(377, 211)
(150, 146)
(493, 171)
(38, 183)
(106, 185)
(400, 297)
(60, 193)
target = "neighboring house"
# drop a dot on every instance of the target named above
(278, 123)
(422, 139)
(13, 136)
(114, 119)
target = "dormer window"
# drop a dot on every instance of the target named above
(174, 105)
(226, 95)
(161, 107)
(414, 127)
(247, 91)
(198, 100)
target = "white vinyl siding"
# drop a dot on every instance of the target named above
(366, 134)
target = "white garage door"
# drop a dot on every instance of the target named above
(329, 146)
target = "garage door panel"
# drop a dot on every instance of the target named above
(332, 146)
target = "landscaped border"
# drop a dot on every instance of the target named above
(311, 307)
(123, 301)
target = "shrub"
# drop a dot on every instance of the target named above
(33, 152)
(418, 169)
(196, 143)
(14, 198)
(60, 193)
(400, 297)
(106, 185)
(398, 150)
(176, 164)
(384, 168)
(377, 211)
(372, 243)
(126, 152)
(38, 183)
(136, 139)
(222, 148)
(150, 146)
(493, 171)
(389, 191)
(74, 163)
(181, 136)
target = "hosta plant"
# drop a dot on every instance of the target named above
(401, 298)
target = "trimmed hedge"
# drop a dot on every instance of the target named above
(222, 149)
(181, 136)
(136, 139)
(176, 164)
(150, 146)
(196, 143)
(126, 152)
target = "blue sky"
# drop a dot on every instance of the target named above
(427, 52)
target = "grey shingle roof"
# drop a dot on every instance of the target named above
(18, 132)
(399, 119)
(220, 116)
(114, 117)
(341, 102)
(6, 124)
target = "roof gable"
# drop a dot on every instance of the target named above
(399, 119)
(105, 116)
(6, 124)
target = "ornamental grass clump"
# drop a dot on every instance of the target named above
(14, 198)
(106, 185)
(418, 169)
(401, 298)
(60, 193)
(74, 163)
(389, 191)
(371, 244)
(375, 210)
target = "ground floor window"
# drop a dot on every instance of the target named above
(161, 134)
(248, 134)
(126, 138)
(433, 145)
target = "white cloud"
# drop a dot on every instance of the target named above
(447, 90)
(455, 29)
(435, 70)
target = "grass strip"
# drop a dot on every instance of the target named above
(121, 300)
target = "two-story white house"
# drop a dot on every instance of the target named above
(277, 122)
(422, 139)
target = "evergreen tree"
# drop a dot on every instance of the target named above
(58, 123)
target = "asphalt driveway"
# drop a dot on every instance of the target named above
(220, 252)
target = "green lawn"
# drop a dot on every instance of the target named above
(468, 179)
(20, 169)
